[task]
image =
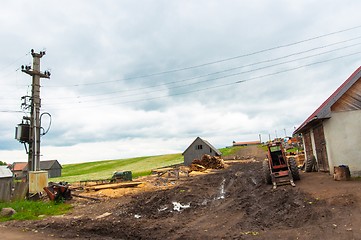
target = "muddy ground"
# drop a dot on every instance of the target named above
(233, 203)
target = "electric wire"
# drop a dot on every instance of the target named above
(222, 85)
(12, 63)
(221, 60)
(225, 76)
(218, 72)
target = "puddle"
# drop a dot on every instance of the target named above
(162, 209)
(222, 192)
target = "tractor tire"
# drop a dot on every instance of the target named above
(310, 164)
(294, 169)
(266, 172)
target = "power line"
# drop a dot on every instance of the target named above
(221, 60)
(15, 61)
(242, 81)
(227, 70)
(225, 76)
(226, 84)
(10, 111)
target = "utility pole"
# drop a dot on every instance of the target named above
(34, 135)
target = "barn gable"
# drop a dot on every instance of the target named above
(197, 149)
(329, 132)
(350, 100)
(324, 111)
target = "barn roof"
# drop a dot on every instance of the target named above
(324, 111)
(20, 166)
(48, 164)
(44, 165)
(246, 143)
(5, 172)
(207, 143)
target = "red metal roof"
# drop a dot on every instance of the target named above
(246, 143)
(20, 166)
(324, 111)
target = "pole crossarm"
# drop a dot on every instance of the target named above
(36, 73)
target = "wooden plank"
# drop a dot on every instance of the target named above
(5, 191)
(161, 171)
(320, 145)
(20, 191)
(114, 186)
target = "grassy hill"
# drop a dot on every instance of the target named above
(139, 166)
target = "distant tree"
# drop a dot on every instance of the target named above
(3, 163)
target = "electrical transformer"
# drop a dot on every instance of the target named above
(22, 132)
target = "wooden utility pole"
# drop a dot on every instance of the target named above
(34, 142)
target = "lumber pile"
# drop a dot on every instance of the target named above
(207, 162)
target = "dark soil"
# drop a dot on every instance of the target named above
(233, 203)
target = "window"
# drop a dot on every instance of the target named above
(210, 150)
(198, 147)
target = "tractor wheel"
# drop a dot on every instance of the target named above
(266, 172)
(310, 164)
(294, 169)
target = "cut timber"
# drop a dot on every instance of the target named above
(86, 197)
(206, 162)
(197, 167)
(113, 186)
(171, 171)
(341, 173)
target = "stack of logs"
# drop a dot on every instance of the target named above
(206, 162)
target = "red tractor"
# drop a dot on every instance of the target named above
(277, 168)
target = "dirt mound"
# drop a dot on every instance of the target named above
(223, 204)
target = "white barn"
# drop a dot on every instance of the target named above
(332, 133)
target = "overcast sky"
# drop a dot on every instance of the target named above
(137, 78)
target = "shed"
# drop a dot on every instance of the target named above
(20, 169)
(331, 132)
(6, 180)
(197, 149)
(52, 166)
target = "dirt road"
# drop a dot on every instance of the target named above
(233, 203)
(10, 233)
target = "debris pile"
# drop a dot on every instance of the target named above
(207, 162)
(58, 191)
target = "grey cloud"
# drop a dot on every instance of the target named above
(112, 42)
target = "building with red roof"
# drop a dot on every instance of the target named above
(331, 134)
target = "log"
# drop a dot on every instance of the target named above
(341, 173)
(86, 197)
(114, 186)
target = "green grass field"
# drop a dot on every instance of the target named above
(230, 150)
(32, 210)
(139, 166)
